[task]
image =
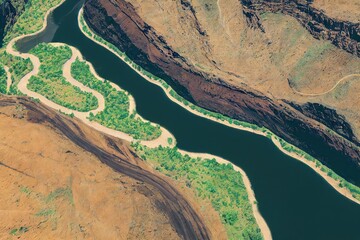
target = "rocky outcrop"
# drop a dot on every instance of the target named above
(118, 22)
(328, 117)
(343, 34)
(10, 10)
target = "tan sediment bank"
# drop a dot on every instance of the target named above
(265, 230)
(334, 183)
(167, 91)
(8, 78)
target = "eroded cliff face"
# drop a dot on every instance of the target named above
(343, 34)
(329, 117)
(10, 10)
(118, 22)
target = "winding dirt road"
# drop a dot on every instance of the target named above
(331, 89)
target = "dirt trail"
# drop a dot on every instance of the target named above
(331, 89)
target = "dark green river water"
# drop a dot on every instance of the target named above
(295, 202)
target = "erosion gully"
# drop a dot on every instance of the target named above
(295, 201)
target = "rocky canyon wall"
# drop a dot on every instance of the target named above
(118, 22)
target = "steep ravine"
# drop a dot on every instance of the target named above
(10, 10)
(343, 34)
(118, 23)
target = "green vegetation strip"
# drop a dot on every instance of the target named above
(116, 113)
(3, 80)
(18, 67)
(355, 191)
(218, 183)
(50, 81)
(309, 55)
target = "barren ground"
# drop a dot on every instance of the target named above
(341, 9)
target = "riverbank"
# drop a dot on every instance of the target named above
(334, 183)
(164, 141)
(84, 116)
(259, 219)
(265, 230)
(166, 88)
(354, 196)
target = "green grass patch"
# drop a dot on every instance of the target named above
(19, 231)
(64, 193)
(50, 81)
(18, 68)
(45, 212)
(116, 113)
(218, 183)
(13, 231)
(313, 54)
(27, 191)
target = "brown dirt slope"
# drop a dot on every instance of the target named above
(348, 10)
(52, 188)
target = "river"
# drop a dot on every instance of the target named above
(295, 202)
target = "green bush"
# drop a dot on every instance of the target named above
(218, 183)
(3, 80)
(116, 113)
(18, 68)
(51, 83)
